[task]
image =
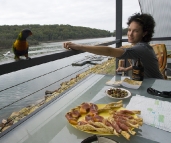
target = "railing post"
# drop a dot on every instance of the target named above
(118, 25)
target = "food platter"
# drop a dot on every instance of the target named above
(118, 95)
(105, 119)
(104, 114)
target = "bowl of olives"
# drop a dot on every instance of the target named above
(118, 93)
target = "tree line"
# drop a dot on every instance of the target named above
(124, 31)
(47, 33)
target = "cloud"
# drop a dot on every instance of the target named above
(98, 14)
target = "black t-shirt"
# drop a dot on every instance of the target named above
(148, 58)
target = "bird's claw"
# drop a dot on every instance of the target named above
(17, 59)
(28, 58)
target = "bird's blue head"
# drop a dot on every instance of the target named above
(24, 34)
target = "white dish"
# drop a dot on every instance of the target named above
(130, 86)
(131, 83)
(129, 93)
(114, 83)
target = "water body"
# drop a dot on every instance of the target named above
(47, 48)
(36, 88)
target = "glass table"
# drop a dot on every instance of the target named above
(49, 125)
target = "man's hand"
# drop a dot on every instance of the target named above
(121, 69)
(70, 45)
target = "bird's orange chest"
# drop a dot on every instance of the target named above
(20, 45)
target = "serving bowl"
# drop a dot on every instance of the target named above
(118, 93)
(129, 83)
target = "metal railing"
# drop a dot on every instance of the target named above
(23, 64)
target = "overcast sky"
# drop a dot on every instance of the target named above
(98, 14)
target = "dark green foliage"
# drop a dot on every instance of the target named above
(46, 33)
(124, 31)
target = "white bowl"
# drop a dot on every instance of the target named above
(129, 93)
(128, 83)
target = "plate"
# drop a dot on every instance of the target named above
(104, 110)
(104, 114)
(122, 89)
(131, 83)
(114, 83)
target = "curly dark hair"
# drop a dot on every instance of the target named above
(146, 21)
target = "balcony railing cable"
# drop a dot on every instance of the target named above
(41, 88)
(39, 76)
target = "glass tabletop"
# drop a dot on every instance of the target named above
(49, 125)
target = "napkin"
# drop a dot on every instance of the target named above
(153, 111)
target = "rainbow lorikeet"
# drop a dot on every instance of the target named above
(21, 46)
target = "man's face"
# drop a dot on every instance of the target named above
(135, 32)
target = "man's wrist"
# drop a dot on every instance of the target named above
(128, 68)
